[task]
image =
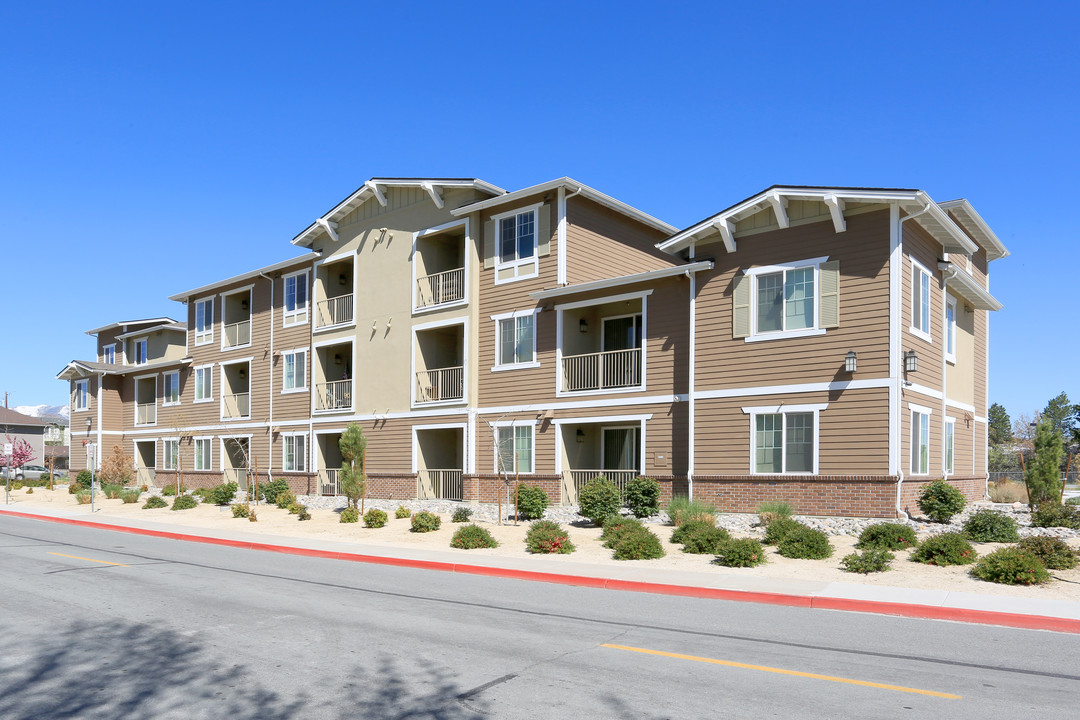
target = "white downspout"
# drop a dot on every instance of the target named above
(100, 395)
(561, 236)
(690, 381)
(270, 384)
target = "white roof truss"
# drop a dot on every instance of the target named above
(779, 206)
(329, 227)
(976, 227)
(836, 209)
(374, 187)
(436, 196)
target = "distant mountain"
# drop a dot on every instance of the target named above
(52, 413)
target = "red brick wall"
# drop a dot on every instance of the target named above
(845, 496)
(391, 486)
(487, 488)
(974, 489)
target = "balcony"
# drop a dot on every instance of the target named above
(236, 335)
(439, 364)
(328, 481)
(620, 477)
(145, 413)
(334, 311)
(236, 320)
(236, 406)
(440, 288)
(335, 302)
(439, 485)
(440, 385)
(608, 370)
(439, 267)
(335, 395)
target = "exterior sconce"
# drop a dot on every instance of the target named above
(911, 362)
(342, 280)
(242, 374)
(89, 422)
(851, 362)
(244, 304)
(580, 433)
(337, 358)
(583, 326)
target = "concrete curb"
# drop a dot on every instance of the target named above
(928, 612)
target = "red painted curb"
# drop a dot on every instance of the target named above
(928, 612)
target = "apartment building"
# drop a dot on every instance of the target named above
(825, 346)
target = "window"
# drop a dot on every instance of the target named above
(204, 321)
(516, 237)
(296, 292)
(108, 354)
(171, 395)
(514, 453)
(784, 443)
(82, 394)
(170, 454)
(293, 370)
(294, 456)
(139, 347)
(950, 329)
(920, 440)
(204, 383)
(202, 454)
(516, 340)
(950, 444)
(787, 300)
(920, 301)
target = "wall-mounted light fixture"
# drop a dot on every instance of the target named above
(580, 435)
(851, 361)
(337, 358)
(342, 280)
(911, 362)
(242, 374)
(583, 326)
(244, 304)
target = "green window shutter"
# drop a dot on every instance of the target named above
(488, 244)
(543, 230)
(740, 316)
(829, 313)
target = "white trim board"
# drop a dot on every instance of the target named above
(867, 384)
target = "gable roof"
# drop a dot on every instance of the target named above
(85, 368)
(977, 227)
(284, 264)
(10, 417)
(128, 323)
(171, 326)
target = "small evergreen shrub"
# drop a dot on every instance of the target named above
(284, 500)
(777, 529)
(154, 501)
(643, 497)
(29, 490)
(887, 536)
(744, 552)
(402, 512)
(1051, 514)
(375, 518)
(638, 544)
(252, 517)
(950, 548)
(471, 537)
(83, 497)
(241, 510)
(271, 490)
(17, 485)
(112, 491)
(774, 510)
(303, 514)
(546, 537)
(1054, 552)
(1073, 500)
(804, 543)
(184, 502)
(295, 507)
(532, 501)
(74, 487)
(616, 527)
(679, 536)
(84, 477)
(989, 526)
(349, 515)
(425, 522)
(222, 494)
(704, 540)
(461, 514)
(170, 490)
(129, 497)
(939, 501)
(682, 509)
(873, 559)
(1011, 566)
(599, 500)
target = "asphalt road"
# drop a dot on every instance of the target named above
(99, 624)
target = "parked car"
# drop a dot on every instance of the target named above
(30, 472)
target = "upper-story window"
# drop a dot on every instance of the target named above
(515, 344)
(920, 300)
(204, 321)
(108, 354)
(171, 388)
(950, 329)
(293, 370)
(204, 383)
(788, 300)
(296, 299)
(139, 347)
(82, 394)
(517, 241)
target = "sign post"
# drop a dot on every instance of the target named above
(8, 451)
(91, 454)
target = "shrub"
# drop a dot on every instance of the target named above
(170, 490)
(349, 515)
(950, 548)
(689, 526)
(402, 512)
(425, 522)
(774, 510)
(461, 514)
(295, 507)
(1073, 500)
(532, 501)
(643, 497)
(222, 494)
(939, 501)
(874, 559)
(745, 552)
(546, 537)
(252, 517)
(303, 514)
(144, 487)
(241, 510)
(887, 536)
(29, 490)
(74, 487)
(777, 529)
(83, 497)
(638, 544)
(616, 527)
(284, 500)
(271, 490)
(1054, 552)
(374, 518)
(989, 526)
(1011, 566)
(130, 497)
(599, 500)
(805, 543)
(202, 492)
(470, 537)
(154, 501)
(112, 490)
(682, 509)
(1050, 514)
(184, 502)
(1042, 476)
(1008, 491)
(84, 477)
(704, 540)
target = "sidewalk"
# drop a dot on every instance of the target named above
(1031, 613)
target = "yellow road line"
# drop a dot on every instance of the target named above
(103, 562)
(781, 671)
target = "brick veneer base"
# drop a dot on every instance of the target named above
(487, 488)
(974, 489)
(391, 486)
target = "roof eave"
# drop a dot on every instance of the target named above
(299, 260)
(622, 280)
(995, 249)
(968, 288)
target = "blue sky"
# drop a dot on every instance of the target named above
(149, 148)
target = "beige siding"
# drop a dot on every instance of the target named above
(937, 433)
(918, 244)
(601, 243)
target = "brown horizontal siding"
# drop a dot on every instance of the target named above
(918, 244)
(979, 369)
(601, 243)
(963, 443)
(937, 432)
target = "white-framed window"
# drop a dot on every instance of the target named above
(294, 453)
(920, 439)
(204, 321)
(82, 395)
(204, 383)
(170, 449)
(171, 388)
(293, 370)
(785, 300)
(516, 237)
(515, 340)
(950, 445)
(920, 300)
(296, 299)
(108, 354)
(784, 440)
(950, 329)
(203, 453)
(514, 447)
(139, 348)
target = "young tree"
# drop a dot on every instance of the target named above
(117, 468)
(1062, 414)
(352, 477)
(1000, 425)
(1043, 473)
(21, 453)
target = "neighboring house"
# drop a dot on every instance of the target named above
(17, 426)
(57, 441)
(826, 346)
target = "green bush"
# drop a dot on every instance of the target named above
(84, 478)
(547, 537)
(349, 515)
(271, 490)
(804, 543)
(777, 529)
(1073, 500)
(1011, 566)
(599, 500)
(295, 507)
(689, 526)
(284, 500)
(1051, 514)
(1042, 475)
(989, 526)
(745, 552)
(643, 497)
(1054, 552)
(402, 512)
(774, 510)
(375, 518)
(184, 502)
(29, 490)
(532, 501)
(887, 536)
(461, 514)
(471, 537)
(703, 540)
(303, 514)
(950, 548)
(83, 497)
(170, 490)
(682, 509)
(130, 496)
(616, 527)
(638, 544)
(241, 510)
(873, 559)
(425, 522)
(222, 494)
(154, 501)
(74, 487)
(112, 490)
(939, 501)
